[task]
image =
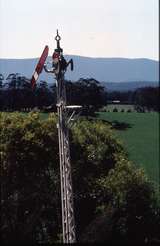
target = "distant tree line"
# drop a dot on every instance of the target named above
(16, 94)
(146, 98)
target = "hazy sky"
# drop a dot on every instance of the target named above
(96, 28)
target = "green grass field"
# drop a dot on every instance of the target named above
(139, 133)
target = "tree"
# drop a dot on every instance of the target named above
(17, 93)
(126, 97)
(1, 91)
(86, 92)
(1, 80)
(44, 96)
(28, 178)
(147, 99)
(131, 215)
(106, 184)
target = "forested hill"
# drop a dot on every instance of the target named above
(102, 69)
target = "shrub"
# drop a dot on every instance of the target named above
(103, 180)
(29, 155)
(131, 208)
(129, 110)
(30, 173)
(115, 110)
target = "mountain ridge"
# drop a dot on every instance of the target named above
(101, 68)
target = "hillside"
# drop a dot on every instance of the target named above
(102, 69)
(128, 86)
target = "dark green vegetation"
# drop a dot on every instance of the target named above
(139, 133)
(143, 99)
(16, 94)
(114, 200)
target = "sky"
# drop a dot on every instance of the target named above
(93, 28)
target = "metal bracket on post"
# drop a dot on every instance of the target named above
(73, 115)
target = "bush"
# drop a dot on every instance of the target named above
(129, 111)
(103, 109)
(104, 182)
(29, 155)
(30, 171)
(131, 208)
(115, 110)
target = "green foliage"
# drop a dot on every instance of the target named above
(147, 99)
(103, 181)
(29, 155)
(125, 97)
(144, 98)
(129, 111)
(120, 181)
(16, 94)
(115, 110)
(131, 207)
(86, 92)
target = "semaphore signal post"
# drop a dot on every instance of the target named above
(65, 116)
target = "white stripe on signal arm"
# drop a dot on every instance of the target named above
(35, 75)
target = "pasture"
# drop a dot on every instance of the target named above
(139, 133)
